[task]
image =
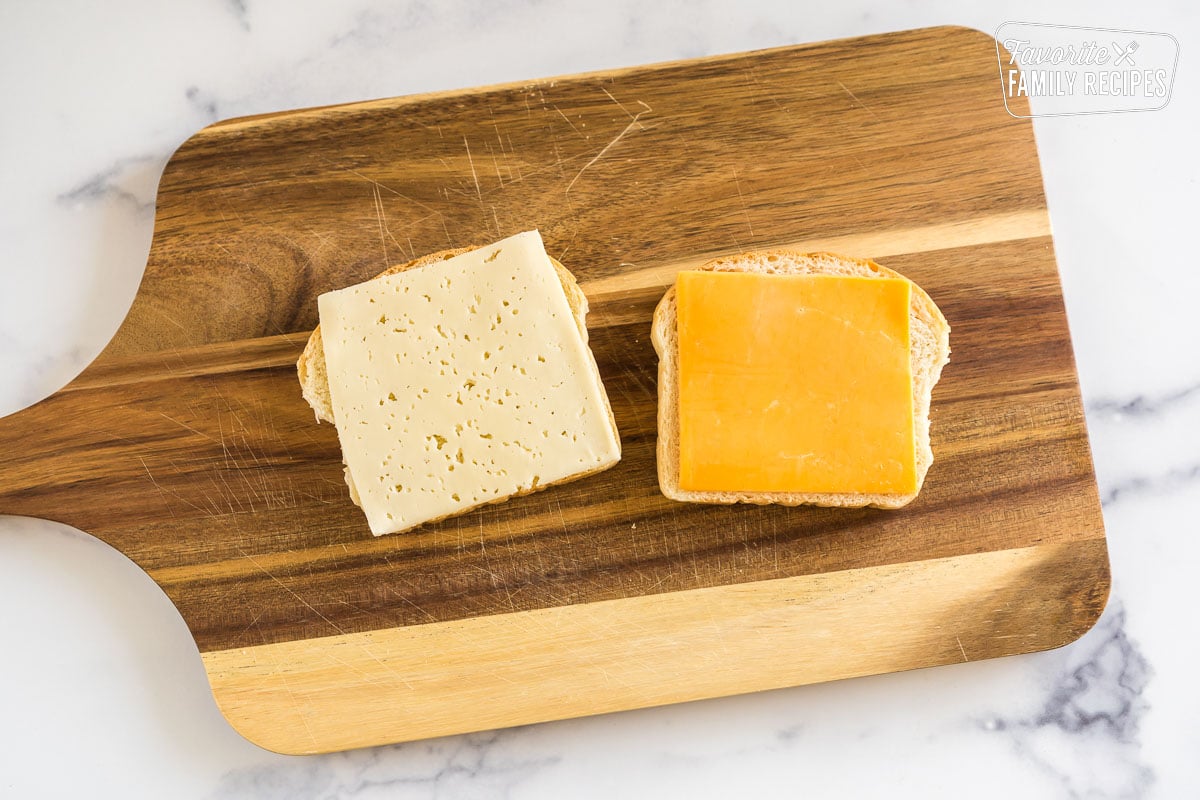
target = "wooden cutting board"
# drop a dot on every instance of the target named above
(186, 445)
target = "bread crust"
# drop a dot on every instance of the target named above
(314, 377)
(929, 352)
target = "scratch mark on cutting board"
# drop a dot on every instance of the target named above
(237, 637)
(424, 611)
(561, 519)
(189, 427)
(618, 102)
(487, 561)
(496, 164)
(327, 653)
(763, 89)
(857, 102)
(379, 215)
(324, 239)
(162, 493)
(474, 174)
(574, 234)
(382, 186)
(212, 511)
(224, 447)
(558, 159)
(291, 591)
(259, 487)
(775, 543)
(634, 123)
(513, 151)
(169, 318)
(366, 675)
(960, 649)
(384, 228)
(230, 494)
(281, 672)
(568, 121)
(745, 209)
(496, 125)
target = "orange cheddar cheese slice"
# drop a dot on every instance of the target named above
(794, 383)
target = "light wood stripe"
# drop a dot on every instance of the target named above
(1017, 225)
(341, 692)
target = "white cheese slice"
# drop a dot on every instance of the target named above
(460, 383)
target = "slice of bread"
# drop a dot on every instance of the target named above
(929, 351)
(314, 379)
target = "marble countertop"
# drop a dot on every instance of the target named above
(102, 693)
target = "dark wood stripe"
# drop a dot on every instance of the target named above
(234, 475)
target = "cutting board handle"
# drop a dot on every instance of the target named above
(110, 444)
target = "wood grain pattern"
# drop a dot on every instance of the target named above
(186, 445)
(337, 692)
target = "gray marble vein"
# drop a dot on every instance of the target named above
(1185, 478)
(463, 766)
(1143, 405)
(1086, 731)
(203, 102)
(1148, 443)
(240, 12)
(129, 179)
